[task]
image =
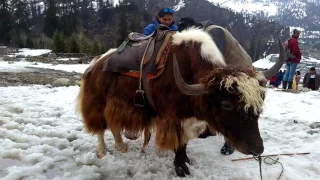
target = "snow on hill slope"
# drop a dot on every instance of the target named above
(305, 64)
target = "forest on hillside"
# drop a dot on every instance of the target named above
(93, 26)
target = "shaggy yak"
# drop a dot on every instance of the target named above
(195, 86)
(233, 53)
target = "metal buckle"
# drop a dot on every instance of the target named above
(141, 94)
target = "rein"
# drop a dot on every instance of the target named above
(273, 161)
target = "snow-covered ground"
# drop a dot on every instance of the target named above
(31, 52)
(23, 66)
(66, 59)
(42, 137)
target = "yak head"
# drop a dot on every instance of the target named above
(230, 100)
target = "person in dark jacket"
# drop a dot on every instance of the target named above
(164, 17)
(311, 80)
(292, 63)
(279, 78)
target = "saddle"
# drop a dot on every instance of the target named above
(142, 57)
(135, 49)
(134, 36)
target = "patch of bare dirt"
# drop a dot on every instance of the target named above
(37, 76)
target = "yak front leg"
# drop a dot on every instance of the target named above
(101, 149)
(170, 135)
(180, 161)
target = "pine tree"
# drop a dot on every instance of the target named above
(135, 23)
(29, 43)
(123, 28)
(58, 43)
(85, 14)
(51, 21)
(73, 44)
(103, 48)
(95, 48)
(83, 44)
(123, 23)
(5, 22)
(101, 4)
(68, 14)
(20, 17)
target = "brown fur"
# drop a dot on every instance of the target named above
(106, 101)
(91, 107)
(106, 98)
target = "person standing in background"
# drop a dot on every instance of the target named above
(292, 62)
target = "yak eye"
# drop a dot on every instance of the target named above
(226, 105)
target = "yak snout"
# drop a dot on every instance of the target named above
(256, 148)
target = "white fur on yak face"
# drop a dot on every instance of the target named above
(250, 90)
(209, 49)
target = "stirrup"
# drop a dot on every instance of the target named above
(141, 93)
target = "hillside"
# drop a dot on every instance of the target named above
(100, 24)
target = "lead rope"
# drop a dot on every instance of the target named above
(274, 161)
(259, 157)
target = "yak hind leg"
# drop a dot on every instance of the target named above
(119, 144)
(101, 149)
(147, 136)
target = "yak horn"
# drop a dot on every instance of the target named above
(277, 66)
(192, 90)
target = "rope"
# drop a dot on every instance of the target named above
(273, 161)
(259, 158)
(142, 61)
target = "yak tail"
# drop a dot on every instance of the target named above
(91, 109)
(90, 100)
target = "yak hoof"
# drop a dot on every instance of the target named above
(123, 148)
(161, 153)
(143, 150)
(182, 170)
(100, 155)
(188, 161)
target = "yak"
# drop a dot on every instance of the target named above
(234, 55)
(196, 84)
